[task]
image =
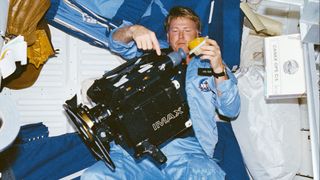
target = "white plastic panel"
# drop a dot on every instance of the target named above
(310, 22)
(292, 2)
(59, 80)
(287, 14)
(309, 26)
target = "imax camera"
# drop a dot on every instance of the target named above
(139, 105)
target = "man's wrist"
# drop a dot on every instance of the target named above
(219, 72)
(123, 34)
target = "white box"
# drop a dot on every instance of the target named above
(284, 65)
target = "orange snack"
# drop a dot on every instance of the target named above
(195, 45)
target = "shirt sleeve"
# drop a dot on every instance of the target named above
(228, 99)
(225, 95)
(127, 51)
(130, 50)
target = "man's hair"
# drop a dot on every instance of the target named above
(178, 12)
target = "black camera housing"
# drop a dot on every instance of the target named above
(139, 105)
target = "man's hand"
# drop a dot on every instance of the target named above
(144, 38)
(211, 51)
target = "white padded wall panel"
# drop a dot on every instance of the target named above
(59, 80)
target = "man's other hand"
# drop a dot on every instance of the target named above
(145, 38)
(211, 51)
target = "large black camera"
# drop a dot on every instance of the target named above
(138, 105)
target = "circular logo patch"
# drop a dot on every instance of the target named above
(204, 85)
(290, 67)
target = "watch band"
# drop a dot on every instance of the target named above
(217, 75)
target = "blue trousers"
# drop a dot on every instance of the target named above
(185, 160)
(227, 155)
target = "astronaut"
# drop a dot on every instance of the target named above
(210, 99)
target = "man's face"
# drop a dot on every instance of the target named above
(181, 31)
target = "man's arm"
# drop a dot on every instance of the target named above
(228, 97)
(143, 37)
(224, 97)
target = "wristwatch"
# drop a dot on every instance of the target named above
(217, 75)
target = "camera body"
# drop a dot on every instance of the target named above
(138, 105)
